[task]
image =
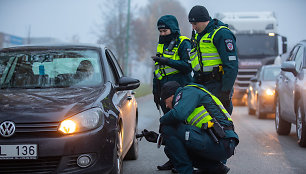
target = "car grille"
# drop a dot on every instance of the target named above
(48, 129)
(41, 166)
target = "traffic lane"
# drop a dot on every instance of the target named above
(149, 156)
(262, 150)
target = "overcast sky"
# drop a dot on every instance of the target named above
(64, 18)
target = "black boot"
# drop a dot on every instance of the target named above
(167, 166)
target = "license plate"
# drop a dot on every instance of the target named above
(24, 151)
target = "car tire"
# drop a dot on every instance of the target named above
(118, 152)
(282, 127)
(133, 151)
(301, 125)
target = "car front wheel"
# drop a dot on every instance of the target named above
(301, 125)
(133, 151)
(118, 152)
(282, 127)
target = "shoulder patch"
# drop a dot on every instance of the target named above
(178, 97)
(229, 45)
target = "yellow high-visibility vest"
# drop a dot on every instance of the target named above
(208, 52)
(164, 70)
(200, 115)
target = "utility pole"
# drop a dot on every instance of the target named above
(126, 63)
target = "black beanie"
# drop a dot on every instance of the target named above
(198, 14)
(169, 89)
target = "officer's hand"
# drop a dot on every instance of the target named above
(225, 98)
(160, 60)
(150, 136)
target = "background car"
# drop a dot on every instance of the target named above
(261, 91)
(290, 94)
(65, 109)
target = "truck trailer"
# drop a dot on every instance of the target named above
(258, 43)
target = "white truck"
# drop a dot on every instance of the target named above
(258, 43)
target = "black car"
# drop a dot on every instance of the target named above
(261, 91)
(65, 109)
(290, 94)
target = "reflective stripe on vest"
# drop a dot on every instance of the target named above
(208, 51)
(216, 100)
(164, 70)
(198, 117)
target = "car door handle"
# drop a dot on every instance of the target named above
(286, 80)
(129, 97)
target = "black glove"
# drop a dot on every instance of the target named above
(225, 98)
(160, 60)
(150, 136)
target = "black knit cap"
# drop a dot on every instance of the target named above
(169, 89)
(198, 13)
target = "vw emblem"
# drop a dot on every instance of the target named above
(7, 128)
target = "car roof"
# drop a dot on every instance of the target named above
(51, 46)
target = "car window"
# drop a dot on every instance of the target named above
(299, 59)
(114, 73)
(270, 74)
(119, 70)
(292, 53)
(50, 68)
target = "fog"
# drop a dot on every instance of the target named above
(77, 20)
(65, 19)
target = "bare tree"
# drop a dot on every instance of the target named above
(145, 31)
(112, 32)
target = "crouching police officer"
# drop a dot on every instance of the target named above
(214, 56)
(198, 131)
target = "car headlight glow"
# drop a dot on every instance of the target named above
(84, 121)
(269, 92)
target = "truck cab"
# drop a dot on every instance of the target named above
(258, 43)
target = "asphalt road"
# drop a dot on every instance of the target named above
(260, 150)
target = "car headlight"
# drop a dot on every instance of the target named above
(269, 92)
(84, 121)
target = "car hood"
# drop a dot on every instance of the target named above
(45, 105)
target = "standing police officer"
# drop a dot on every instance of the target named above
(214, 57)
(198, 131)
(171, 62)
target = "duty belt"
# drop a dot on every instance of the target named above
(204, 77)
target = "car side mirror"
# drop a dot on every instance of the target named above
(289, 66)
(128, 83)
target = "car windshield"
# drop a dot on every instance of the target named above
(49, 68)
(256, 45)
(270, 73)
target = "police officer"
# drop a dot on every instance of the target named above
(214, 57)
(171, 60)
(198, 131)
